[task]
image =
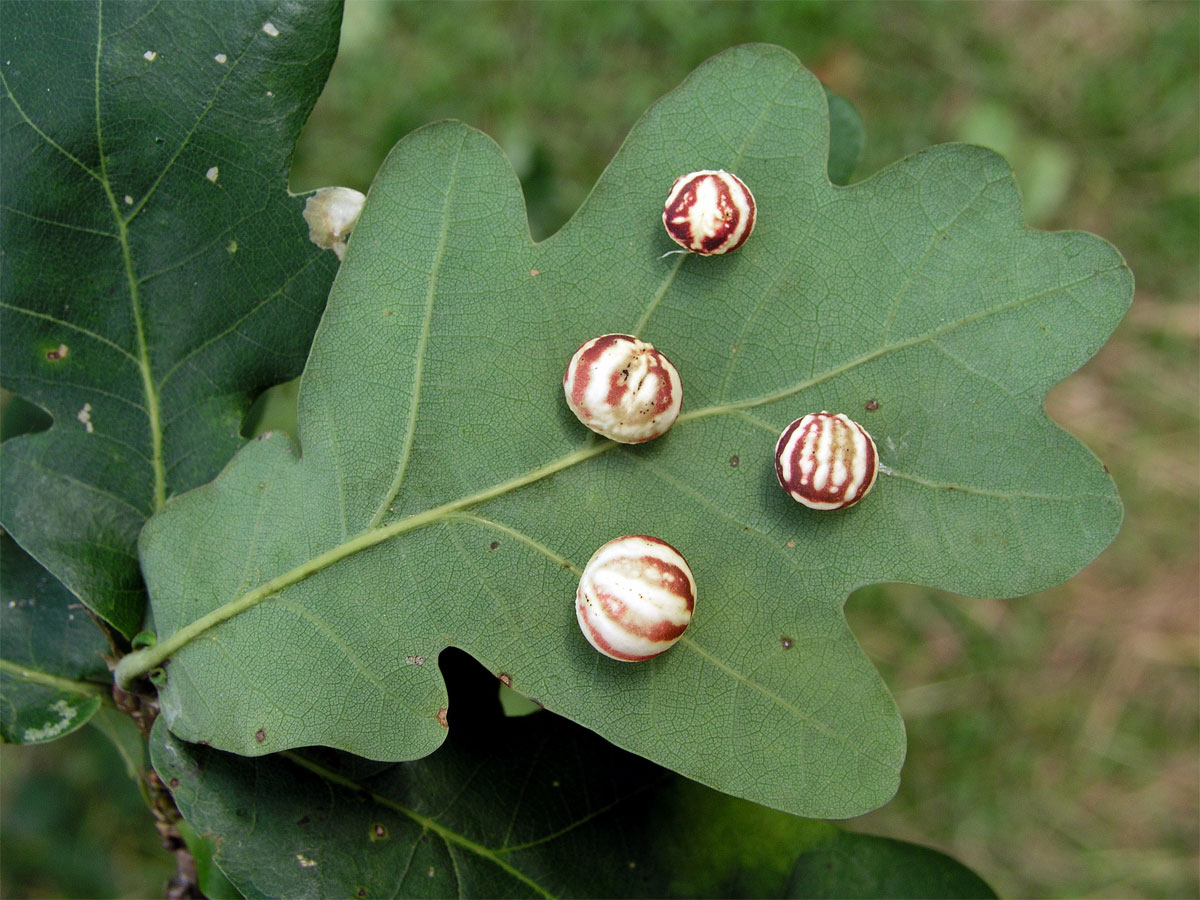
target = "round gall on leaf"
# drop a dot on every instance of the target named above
(826, 461)
(709, 212)
(623, 388)
(331, 213)
(635, 598)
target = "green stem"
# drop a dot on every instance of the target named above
(138, 663)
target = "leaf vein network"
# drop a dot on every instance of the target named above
(449, 836)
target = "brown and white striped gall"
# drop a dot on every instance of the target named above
(826, 461)
(623, 388)
(635, 598)
(709, 212)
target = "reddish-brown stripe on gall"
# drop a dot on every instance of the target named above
(623, 388)
(826, 461)
(635, 598)
(709, 212)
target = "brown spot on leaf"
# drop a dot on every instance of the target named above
(442, 717)
(304, 821)
(59, 352)
(416, 660)
(872, 405)
(174, 782)
(790, 544)
(493, 545)
(506, 678)
(787, 643)
(361, 892)
(379, 832)
(260, 735)
(735, 461)
(534, 273)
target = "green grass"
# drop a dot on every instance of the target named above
(1052, 739)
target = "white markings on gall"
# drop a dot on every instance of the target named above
(150, 55)
(270, 29)
(623, 388)
(709, 212)
(212, 174)
(635, 598)
(221, 58)
(826, 461)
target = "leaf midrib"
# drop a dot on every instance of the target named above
(142, 661)
(31, 675)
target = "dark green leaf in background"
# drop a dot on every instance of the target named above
(866, 867)
(445, 495)
(846, 138)
(156, 273)
(509, 807)
(528, 806)
(52, 675)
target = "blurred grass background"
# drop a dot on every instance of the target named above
(1053, 739)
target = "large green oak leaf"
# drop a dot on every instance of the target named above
(156, 272)
(443, 494)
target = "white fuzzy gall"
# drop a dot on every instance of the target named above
(331, 214)
(635, 598)
(826, 461)
(709, 212)
(623, 388)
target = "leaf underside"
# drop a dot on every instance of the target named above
(444, 495)
(157, 274)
